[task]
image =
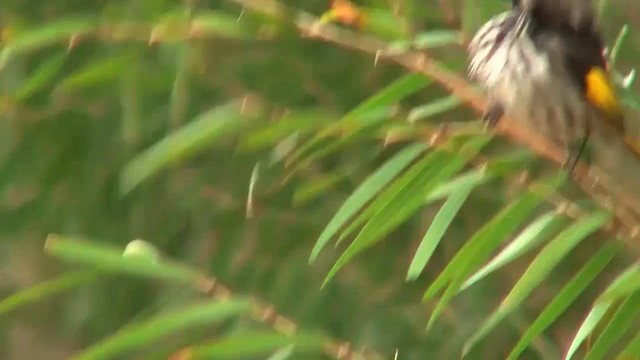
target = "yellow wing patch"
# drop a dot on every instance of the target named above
(601, 93)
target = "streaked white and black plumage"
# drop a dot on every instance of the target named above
(533, 62)
(502, 59)
(530, 70)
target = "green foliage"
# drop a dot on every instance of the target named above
(239, 144)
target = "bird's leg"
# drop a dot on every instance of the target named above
(574, 153)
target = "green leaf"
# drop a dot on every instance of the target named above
(320, 152)
(621, 289)
(399, 208)
(137, 335)
(52, 32)
(301, 121)
(110, 259)
(317, 187)
(588, 325)
(321, 145)
(617, 45)
(387, 195)
(434, 108)
(473, 178)
(616, 328)
(474, 14)
(486, 239)
(425, 40)
(96, 73)
(437, 229)
(500, 166)
(631, 350)
(530, 237)
(183, 143)
(598, 311)
(44, 74)
(361, 117)
(435, 38)
(565, 297)
(399, 89)
(384, 24)
(539, 269)
(510, 163)
(631, 100)
(282, 354)
(255, 343)
(406, 185)
(490, 236)
(365, 192)
(45, 289)
(218, 23)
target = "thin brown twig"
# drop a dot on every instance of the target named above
(266, 313)
(593, 181)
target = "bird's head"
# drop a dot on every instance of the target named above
(572, 15)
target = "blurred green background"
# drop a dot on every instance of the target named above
(87, 88)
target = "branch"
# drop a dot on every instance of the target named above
(599, 183)
(266, 313)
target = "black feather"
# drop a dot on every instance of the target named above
(566, 30)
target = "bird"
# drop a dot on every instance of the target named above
(542, 63)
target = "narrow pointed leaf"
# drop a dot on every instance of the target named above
(529, 238)
(631, 350)
(255, 343)
(42, 76)
(300, 122)
(383, 24)
(390, 200)
(282, 354)
(360, 117)
(365, 192)
(596, 314)
(622, 289)
(317, 186)
(388, 194)
(186, 141)
(434, 108)
(502, 165)
(565, 298)
(487, 238)
(145, 333)
(406, 203)
(52, 32)
(45, 289)
(385, 197)
(598, 311)
(437, 229)
(106, 70)
(473, 178)
(110, 259)
(434, 38)
(539, 269)
(334, 136)
(613, 55)
(485, 241)
(425, 40)
(616, 328)
(511, 162)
